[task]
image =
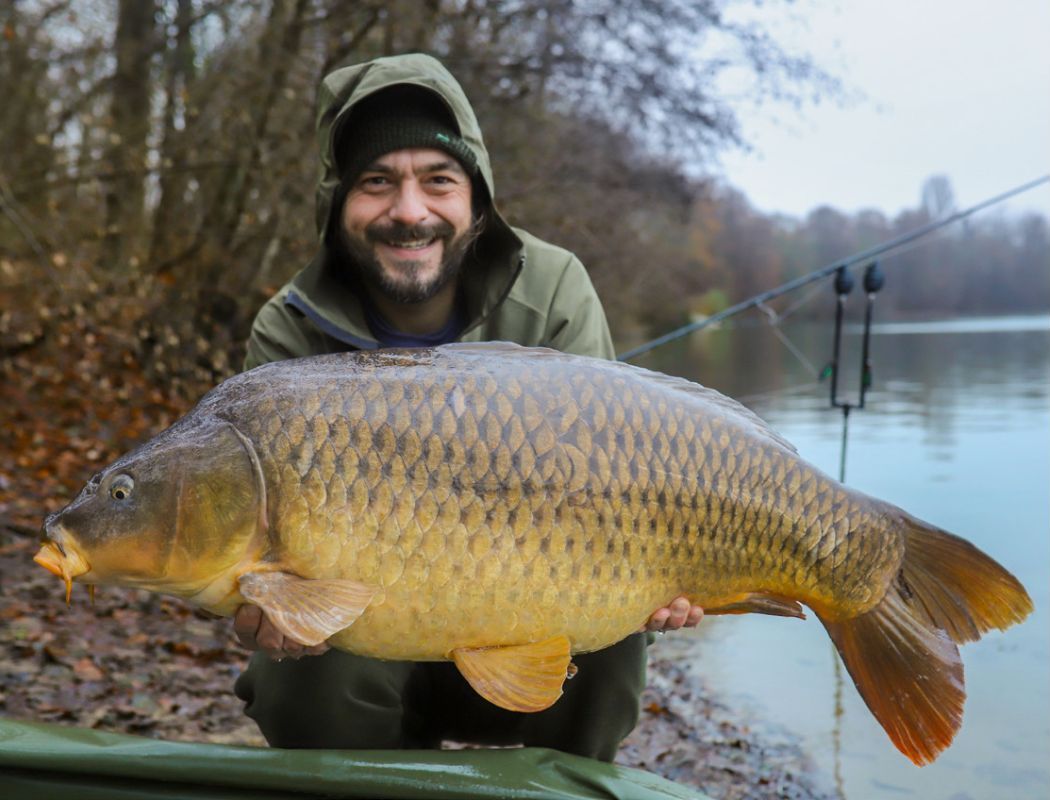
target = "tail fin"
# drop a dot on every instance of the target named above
(902, 654)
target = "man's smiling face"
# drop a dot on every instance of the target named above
(407, 223)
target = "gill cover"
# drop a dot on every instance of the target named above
(168, 516)
(220, 504)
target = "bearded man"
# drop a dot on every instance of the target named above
(413, 253)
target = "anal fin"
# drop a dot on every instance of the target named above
(760, 604)
(526, 677)
(308, 611)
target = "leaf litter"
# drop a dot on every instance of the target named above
(137, 663)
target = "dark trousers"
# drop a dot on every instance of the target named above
(342, 701)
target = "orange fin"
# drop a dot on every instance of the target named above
(308, 611)
(958, 588)
(910, 675)
(525, 677)
(902, 654)
(760, 604)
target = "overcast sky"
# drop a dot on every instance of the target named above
(957, 87)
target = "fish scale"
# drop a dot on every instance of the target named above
(503, 506)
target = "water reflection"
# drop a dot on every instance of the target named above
(957, 431)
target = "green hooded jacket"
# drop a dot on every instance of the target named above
(518, 288)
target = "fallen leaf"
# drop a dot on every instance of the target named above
(86, 670)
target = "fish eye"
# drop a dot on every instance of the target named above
(121, 487)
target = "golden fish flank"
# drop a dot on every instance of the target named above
(505, 507)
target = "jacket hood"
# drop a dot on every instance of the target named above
(344, 88)
(327, 297)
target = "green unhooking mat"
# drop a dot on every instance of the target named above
(44, 761)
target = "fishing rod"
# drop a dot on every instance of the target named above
(823, 272)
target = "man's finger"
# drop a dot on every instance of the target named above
(658, 619)
(270, 639)
(679, 611)
(292, 648)
(246, 626)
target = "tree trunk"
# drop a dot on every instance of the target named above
(130, 120)
(172, 183)
(278, 49)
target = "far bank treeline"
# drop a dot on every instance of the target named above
(160, 164)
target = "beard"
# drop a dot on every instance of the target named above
(408, 286)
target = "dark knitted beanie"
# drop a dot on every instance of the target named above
(395, 119)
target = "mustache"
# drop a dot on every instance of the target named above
(398, 233)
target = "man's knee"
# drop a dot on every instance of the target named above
(335, 700)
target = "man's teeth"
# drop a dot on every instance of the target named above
(418, 244)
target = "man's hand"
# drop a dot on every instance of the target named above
(256, 632)
(679, 614)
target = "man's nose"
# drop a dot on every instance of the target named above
(409, 207)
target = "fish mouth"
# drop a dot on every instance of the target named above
(63, 562)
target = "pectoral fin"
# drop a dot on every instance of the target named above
(760, 604)
(308, 611)
(526, 677)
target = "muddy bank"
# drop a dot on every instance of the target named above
(690, 736)
(137, 663)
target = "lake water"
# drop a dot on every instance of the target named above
(956, 431)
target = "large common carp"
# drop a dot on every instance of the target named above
(506, 507)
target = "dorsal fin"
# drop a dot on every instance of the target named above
(718, 402)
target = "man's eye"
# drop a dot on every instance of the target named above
(373, 181)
